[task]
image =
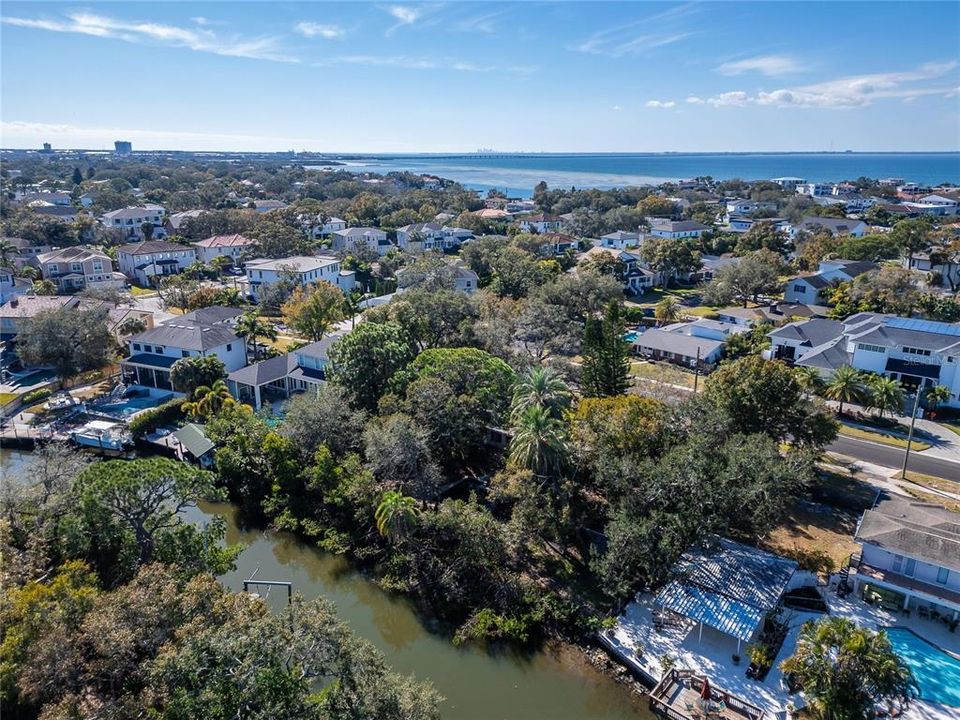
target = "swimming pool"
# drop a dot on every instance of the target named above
(937, 673)
(631, 336)
(131, 405)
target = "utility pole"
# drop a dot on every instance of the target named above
(913, 420)
(696, 372)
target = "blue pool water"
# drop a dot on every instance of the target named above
(937, 673)
(631, 336)
(131, 405)
(32, 378)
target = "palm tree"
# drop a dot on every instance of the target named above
(220, 263)
(539, 442)
(810, 380)
(846, 670)
(935, 396)
(209, 400)
(351, 306)
(667, 310)
(252, 327)
(44, 287)
(540, 387)
(395, 514)
(884, 394)
(29, 272)
(846, 385)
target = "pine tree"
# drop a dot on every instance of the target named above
(77, 176)
(606, 365)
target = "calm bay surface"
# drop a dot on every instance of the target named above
(553, 684)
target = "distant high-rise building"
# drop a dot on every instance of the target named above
(47, 148)
(123, 147)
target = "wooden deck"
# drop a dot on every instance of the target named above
(677, 696)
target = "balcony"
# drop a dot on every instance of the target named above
(903, 582)
(678, 697)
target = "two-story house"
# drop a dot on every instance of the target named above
(323, 226)
(741, 224)
(637, 279)
(131, 220)
(144, 261)
(745, 207)
(12, 286)
(620, 240)
(25, 251)
(541, 223)
(809, 289)
(916, 353)
(370, 239)
(76, 268)
(233, 247)
(675, 229)
(909, 558)
(278, 377)
(154, 351)
(835, 226)
(303, 269)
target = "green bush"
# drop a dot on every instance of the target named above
(35, 396)
(149, 420)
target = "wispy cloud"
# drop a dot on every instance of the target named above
(694, 100)
(200, 40)
(617, 108)
(408, 15)
(409, 62)
(769, 65)
(405, 14)
(484, 24)
(662, 104)
(327, 32)
(634, 37)
(735, 98)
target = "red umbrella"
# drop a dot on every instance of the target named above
(705, 691)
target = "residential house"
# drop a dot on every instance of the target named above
(20, 308)
(675, 229)
(131, 220)
(745, 207)
(466, 280)
(937, 262)
(154, 351)
(835, 226)
(26, 252)
(63, 199)
(693, 344)
(143, 261)
(234, 247)
(76, 268)
(775, 313)
(372, 239)
(808, 289)
(540, 223)
(909, 558)
(326, 226)
(12, 286)
(278, 377)
(173, 223)
(710, 264)
(263, 206)
(516, 206)
(739, 224)
(789, 183)
(934, 205)
(637, 279)
(64, 213)
(195, 444)
(431, 236)
(305, 270)
(620, 240)
(492, 215)
(815, 189)
(914, 352)
(560, 242)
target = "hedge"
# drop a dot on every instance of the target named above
(35, 396)
(152, 418)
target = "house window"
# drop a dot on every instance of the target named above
(916, 351)
(942, 575)
(800, 289)
(136, 346)
(871, 348)
(185, 353)
(229, 347)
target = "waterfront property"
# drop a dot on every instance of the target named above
(914, 352)
(278, 377)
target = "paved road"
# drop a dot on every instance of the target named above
(893, 457)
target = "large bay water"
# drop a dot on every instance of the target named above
(518, 173)
(551, 684)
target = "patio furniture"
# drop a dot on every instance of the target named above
(923, 612)
(906, 612)
(935, 614)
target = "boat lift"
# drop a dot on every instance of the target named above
(269, 584)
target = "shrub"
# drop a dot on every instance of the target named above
(35, 396)
(152, 418)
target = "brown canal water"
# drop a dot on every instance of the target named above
(553, 683)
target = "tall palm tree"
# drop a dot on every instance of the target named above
(395, 515)
(810, 379)
(540, 387)
(209, 400)
(29, 272)
(351, 306)
(935, 396)
(884, 394)
(251, 326)
(667, 310)
(539, 442)
(846, 385)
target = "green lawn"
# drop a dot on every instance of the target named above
(951, 426)
(139, 291)
(8, 397)
(881, 436)
(662, 372)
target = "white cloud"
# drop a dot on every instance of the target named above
(410, 62)
(634, 37)
(617, 108)
(694, 100)
(769, 65)
(736, 98)
(200, 40)
(312, 29)
(405, 14)
(660, 104)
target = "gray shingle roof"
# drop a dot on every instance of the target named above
(686, 345)
(152, 246)
(810, 332)
(921, 530)
(187, 335)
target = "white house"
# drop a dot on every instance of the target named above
(808, 289)
(153, 352)
(12, 286)
(909, 557)
(466, 280)
(431, 236)
(743, 224)
(745, 207)
(541, 223)
(325, 227)
(306, 270)
(675, 229)
(815, 189)
(174, 222)
(368, 238)
(835, 226)
(637, 279)
(131, 220)
(789, 183)
(939, 261)
(694, 344)
(914, 352)
(234, 247)
(143, 261)
(263, 206)
(76, 268)
(620, 240)
(933, 205)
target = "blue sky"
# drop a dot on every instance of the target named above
(455, 76)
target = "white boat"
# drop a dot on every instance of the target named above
(102, 434)
(58, 402)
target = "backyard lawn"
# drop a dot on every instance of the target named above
(137, 291)
(662, 372)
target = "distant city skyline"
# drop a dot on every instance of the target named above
(457, 76)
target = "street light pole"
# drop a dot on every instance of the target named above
(913, 420)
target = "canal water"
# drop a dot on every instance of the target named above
(552, 684)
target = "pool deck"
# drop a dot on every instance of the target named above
(710, 653)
